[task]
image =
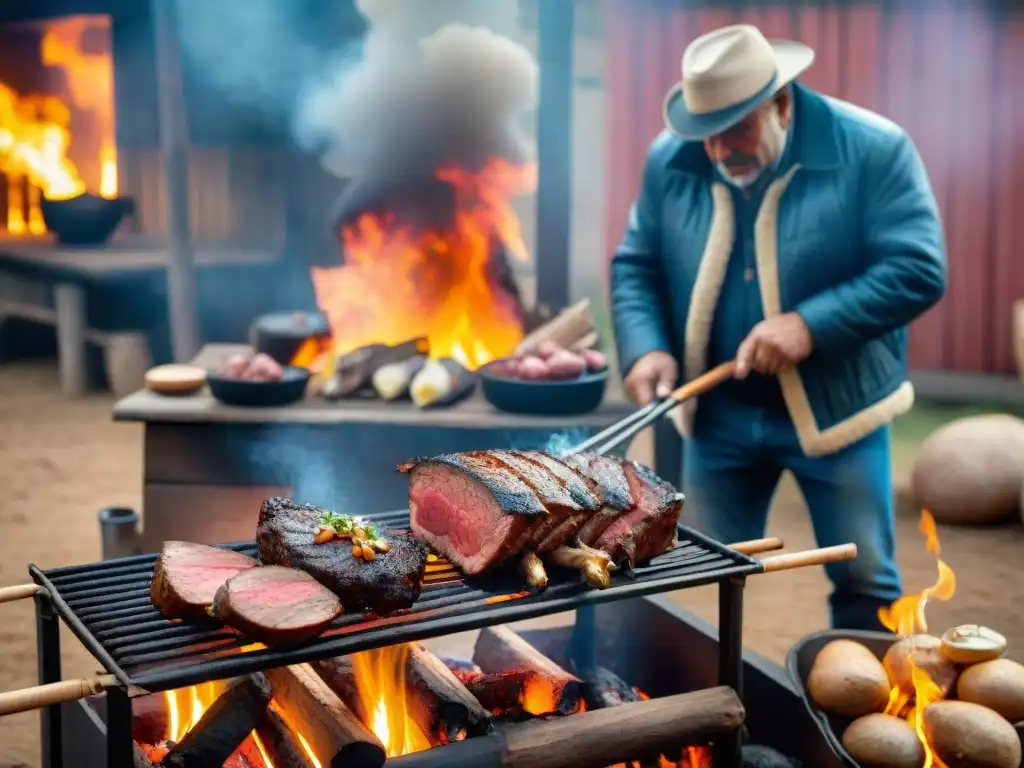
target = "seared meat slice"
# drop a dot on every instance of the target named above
(612, 487)
(186, 576)
(389, 582)
(649, 527)
(276, 605)
(470, 508)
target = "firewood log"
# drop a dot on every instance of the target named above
(224, 726)
(635, 731)
(335, 735)
(546, 688)
(282, 747)
(436, 700)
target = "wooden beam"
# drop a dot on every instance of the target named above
(174, 141)
(554, 152)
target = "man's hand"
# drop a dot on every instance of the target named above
(653, 375)
(774, 345)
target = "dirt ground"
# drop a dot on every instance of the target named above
(61, 461)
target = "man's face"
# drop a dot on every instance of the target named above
(745, 150)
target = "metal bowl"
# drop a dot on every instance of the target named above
(85, 219)
(568, 397)
(289, 389)
(799, 661)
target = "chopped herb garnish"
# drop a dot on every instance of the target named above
(345, 524)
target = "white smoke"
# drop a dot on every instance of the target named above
(430, 72)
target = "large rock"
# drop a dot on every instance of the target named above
(971, 471)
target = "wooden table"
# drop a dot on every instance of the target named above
(71, 270)
(208, 466)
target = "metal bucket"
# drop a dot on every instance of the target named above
(799, 661)
(119, 532)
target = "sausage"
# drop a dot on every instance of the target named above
(235, 366)
(565, 365)
(595, 360)
(264, 368)
(546, 349)
(534, 369)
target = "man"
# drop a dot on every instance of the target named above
(799, 235)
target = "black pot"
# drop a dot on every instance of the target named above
(281, 334)
(85, 219)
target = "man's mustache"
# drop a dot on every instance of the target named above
(742, 162)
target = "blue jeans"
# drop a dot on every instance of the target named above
(732, 466)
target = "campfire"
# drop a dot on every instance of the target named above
(374, 705)
(932, 701)
(37, 155)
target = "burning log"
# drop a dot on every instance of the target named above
(224, 726)
(354, 370)
(436, 700)
(631, 732)
(602, 688)
(538, 685)
(334, 734)
(139, 757)
(279, 742)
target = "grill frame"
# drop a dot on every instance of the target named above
(709, 562)
(144, 651)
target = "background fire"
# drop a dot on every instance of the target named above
(57, 133)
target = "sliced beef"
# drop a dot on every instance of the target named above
(609, 481)
(648, 528)
(470, 508)
(276, 605)
(482, 508)
(389, 582)
(186, 576)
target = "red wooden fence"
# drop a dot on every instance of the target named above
(949, 72)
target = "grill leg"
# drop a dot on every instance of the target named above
(582, 645)
(49, 671)
(119, 729)
(727, 752)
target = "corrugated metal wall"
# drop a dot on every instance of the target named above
(950, 72)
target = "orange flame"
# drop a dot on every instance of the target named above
(35, 131)
(905, 617)
(399, 283)
(692, 757)
(380, 674)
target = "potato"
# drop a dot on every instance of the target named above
(848, 679)
(595, 360)
(970, 735)
(566, 365)
(882, 741)
(925, 652)
(533, 369)
(998, 685)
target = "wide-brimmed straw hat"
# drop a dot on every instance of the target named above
(727, 74)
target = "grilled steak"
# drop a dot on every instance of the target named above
(647, 528)
(480, 509)
(186, 577)
(391, 581)
(276, 605)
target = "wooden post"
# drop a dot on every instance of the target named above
(181, 270)
(69, 303)
(554, 153)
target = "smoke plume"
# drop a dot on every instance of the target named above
(435, 83)
(430, 77)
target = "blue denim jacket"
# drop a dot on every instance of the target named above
(848, 235)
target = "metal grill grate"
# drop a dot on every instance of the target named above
(108, 608)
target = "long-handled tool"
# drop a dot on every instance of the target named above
(623, 430)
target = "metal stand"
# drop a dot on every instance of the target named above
(120, 753)
(49, 671)
(727, 753)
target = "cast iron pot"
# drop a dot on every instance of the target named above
(85, 219)
(798, 664)
(281, 334)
